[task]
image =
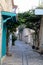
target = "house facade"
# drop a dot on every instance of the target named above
(39, 11)
(6, 15)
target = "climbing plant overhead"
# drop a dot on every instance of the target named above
(30, 19)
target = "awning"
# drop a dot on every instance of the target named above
(8, 16)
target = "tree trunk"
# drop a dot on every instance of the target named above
(7, 42)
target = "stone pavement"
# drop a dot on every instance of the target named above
(22, 54)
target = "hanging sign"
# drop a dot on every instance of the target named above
(38, 11)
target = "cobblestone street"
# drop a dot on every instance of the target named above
(23, 54)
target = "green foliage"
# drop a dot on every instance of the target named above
(29, 19)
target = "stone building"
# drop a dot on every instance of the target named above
(39, 11)
(27, 36)
(6, 15)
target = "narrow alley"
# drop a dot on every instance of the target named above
(23, 54)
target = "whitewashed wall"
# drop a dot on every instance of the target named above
(27, 36)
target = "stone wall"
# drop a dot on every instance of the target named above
(27, 36)
(41, 34)
(6, 5)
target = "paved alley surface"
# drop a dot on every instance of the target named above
(22, 54)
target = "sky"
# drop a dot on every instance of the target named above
(25, 5)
